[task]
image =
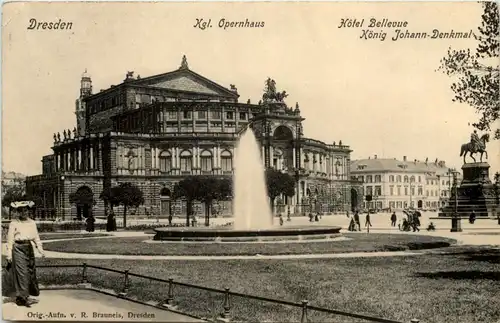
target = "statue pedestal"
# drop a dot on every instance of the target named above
(475, 192)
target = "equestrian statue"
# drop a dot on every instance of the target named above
(476, 145)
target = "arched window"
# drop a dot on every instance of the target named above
(165, 161)
(412, 179)
(398, 179)
(206, 161)
(226, 161)
(406, 179)
(186, 161)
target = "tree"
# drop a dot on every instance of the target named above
(83, 197)
(279, 183)
(125, 194)
(13, 193)
(204, 189)
(109, 201)
(478, 82)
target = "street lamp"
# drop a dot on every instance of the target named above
(456, 225)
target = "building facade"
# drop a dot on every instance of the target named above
(399, 184)
(155, 131)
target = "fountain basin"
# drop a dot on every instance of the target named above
(228, 234)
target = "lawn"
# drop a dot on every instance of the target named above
(65, 235)
(58, 236)
(456, 284)
(359, 242)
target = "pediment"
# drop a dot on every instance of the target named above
(186, 80)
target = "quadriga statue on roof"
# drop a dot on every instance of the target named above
(270, 94)
(476, 145)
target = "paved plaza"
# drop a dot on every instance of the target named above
(87, 305)
(483, 232)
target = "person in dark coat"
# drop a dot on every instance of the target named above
(90, 223)
(472, 217)
(393, 219)
(367, 221)
(356, 220)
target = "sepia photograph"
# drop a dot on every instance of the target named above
(251, 162)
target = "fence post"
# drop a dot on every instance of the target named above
(125, 284)
(304, 318)
(226, 315)
(169, 302)
(84, 273)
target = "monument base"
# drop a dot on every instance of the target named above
(475, 193)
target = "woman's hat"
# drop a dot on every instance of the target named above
(20, 204)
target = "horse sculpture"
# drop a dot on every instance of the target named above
(471, 149)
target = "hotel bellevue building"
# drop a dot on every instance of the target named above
(155, 131)
(399, 184)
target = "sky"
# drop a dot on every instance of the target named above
(382, 98)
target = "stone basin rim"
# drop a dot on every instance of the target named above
(297, 229)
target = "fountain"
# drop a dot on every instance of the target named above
(253, 220)
(251, 204)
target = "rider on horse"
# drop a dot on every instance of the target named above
(476, 143)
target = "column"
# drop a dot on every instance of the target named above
(91, 156)
(177, 157)
(294, 161)
(218, 157)
(263, 153)
(271, 155)
(79, 159)
(214, 157)
(153, 157)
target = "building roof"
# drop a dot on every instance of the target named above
(393, 165)
(182, 79)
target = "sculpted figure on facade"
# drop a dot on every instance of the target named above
(55, 137)
(58, 137)
(65, 135)
(74, 132)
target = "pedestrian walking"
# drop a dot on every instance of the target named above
(368, 224)
(21, 271)
(356, 220)
(394, 218)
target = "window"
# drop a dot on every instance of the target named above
(413, 191)
(206, 161)
(398, 179)
(406, 190)
(378, 178)
(419, 179)
(215, 114)
(172, 115)
(243, 116)
(165, 161)
(186, 161)
(412, 179)
(420, 190)
(226, 160)
(186, 115)
(369, 190)
(399, 190)
(369, 179)
(378, 190)
(229, 115)
(391, 190)
(202, 114)
(391, 178)
(406, 179)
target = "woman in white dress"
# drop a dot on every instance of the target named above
(21, 237)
